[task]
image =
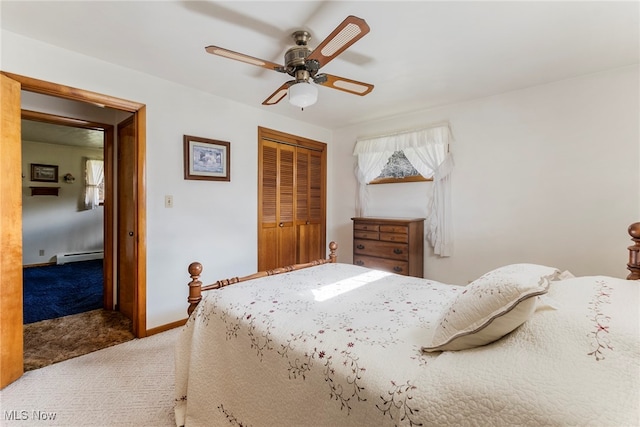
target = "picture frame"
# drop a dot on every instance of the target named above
(206, 159)
(44, 173)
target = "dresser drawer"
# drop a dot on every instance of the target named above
(391, 250)
(402, 229)
(361, 234)
(393, 266)
(394, 237)
(366, 226)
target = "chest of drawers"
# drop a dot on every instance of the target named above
(390, 244)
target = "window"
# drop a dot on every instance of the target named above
(94, 183)
(399, 169)
(428, 151)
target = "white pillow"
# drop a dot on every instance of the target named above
(491, 306)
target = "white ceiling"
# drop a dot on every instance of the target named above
(49, 133)
(419, 55)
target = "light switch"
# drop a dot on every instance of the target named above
(168, 201)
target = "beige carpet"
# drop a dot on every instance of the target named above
(129, 384)
(54, 340)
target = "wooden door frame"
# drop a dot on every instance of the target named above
(139, 111)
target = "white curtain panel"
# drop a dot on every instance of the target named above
(427, 150)
(94, 171)
(369, 167)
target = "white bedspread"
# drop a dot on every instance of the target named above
(339, 345)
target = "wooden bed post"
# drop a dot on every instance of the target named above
(333, 258)
(195, 286)
(634, 252)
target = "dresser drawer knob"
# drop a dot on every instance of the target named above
(397, 251)
(397, 269)
(359, 262)
(360, 246)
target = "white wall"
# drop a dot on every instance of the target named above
(546, 175)
(211, 222)
(58, 224)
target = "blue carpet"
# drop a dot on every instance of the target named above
(61, 290)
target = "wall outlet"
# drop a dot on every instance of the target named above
(41, 252)
(168, 201)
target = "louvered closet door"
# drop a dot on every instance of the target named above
(291, 199)
(277, 239)
(309, 205)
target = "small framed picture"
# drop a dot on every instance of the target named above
(44, 173)
(206, 159)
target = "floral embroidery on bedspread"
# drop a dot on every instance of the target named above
(231, 418)
(260, 341)
(281, 319)
(339, 392)
(397, 404)
(298, 368)
(600, 334)
(200, 315)
(344, 324)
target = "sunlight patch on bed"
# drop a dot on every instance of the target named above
(337, 288)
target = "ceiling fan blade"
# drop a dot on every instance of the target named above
(346, 85)
(226, 53)
(279, 94)
(347, 33)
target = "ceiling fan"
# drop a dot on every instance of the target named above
(303, 64)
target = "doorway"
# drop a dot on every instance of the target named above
(63, 235)
(11, 334)
(66, 309)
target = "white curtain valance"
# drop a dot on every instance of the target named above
(439, 135)
(428, 151)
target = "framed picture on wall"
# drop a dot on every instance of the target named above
(44, 173)
(206, 159)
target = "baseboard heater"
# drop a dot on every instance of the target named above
(64, 258)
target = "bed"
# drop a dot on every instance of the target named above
(331, 344)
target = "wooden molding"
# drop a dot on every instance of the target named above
(67, 92)
(167, 327)
(44, 191)
(37, 116)
(416, 178)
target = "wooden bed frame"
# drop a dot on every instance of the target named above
(195, 269)
(634, 252)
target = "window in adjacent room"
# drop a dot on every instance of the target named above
(94, 183)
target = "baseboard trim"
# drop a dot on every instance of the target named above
(42, 264)
(163, 328)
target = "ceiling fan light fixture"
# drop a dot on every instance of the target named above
(302, 94)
